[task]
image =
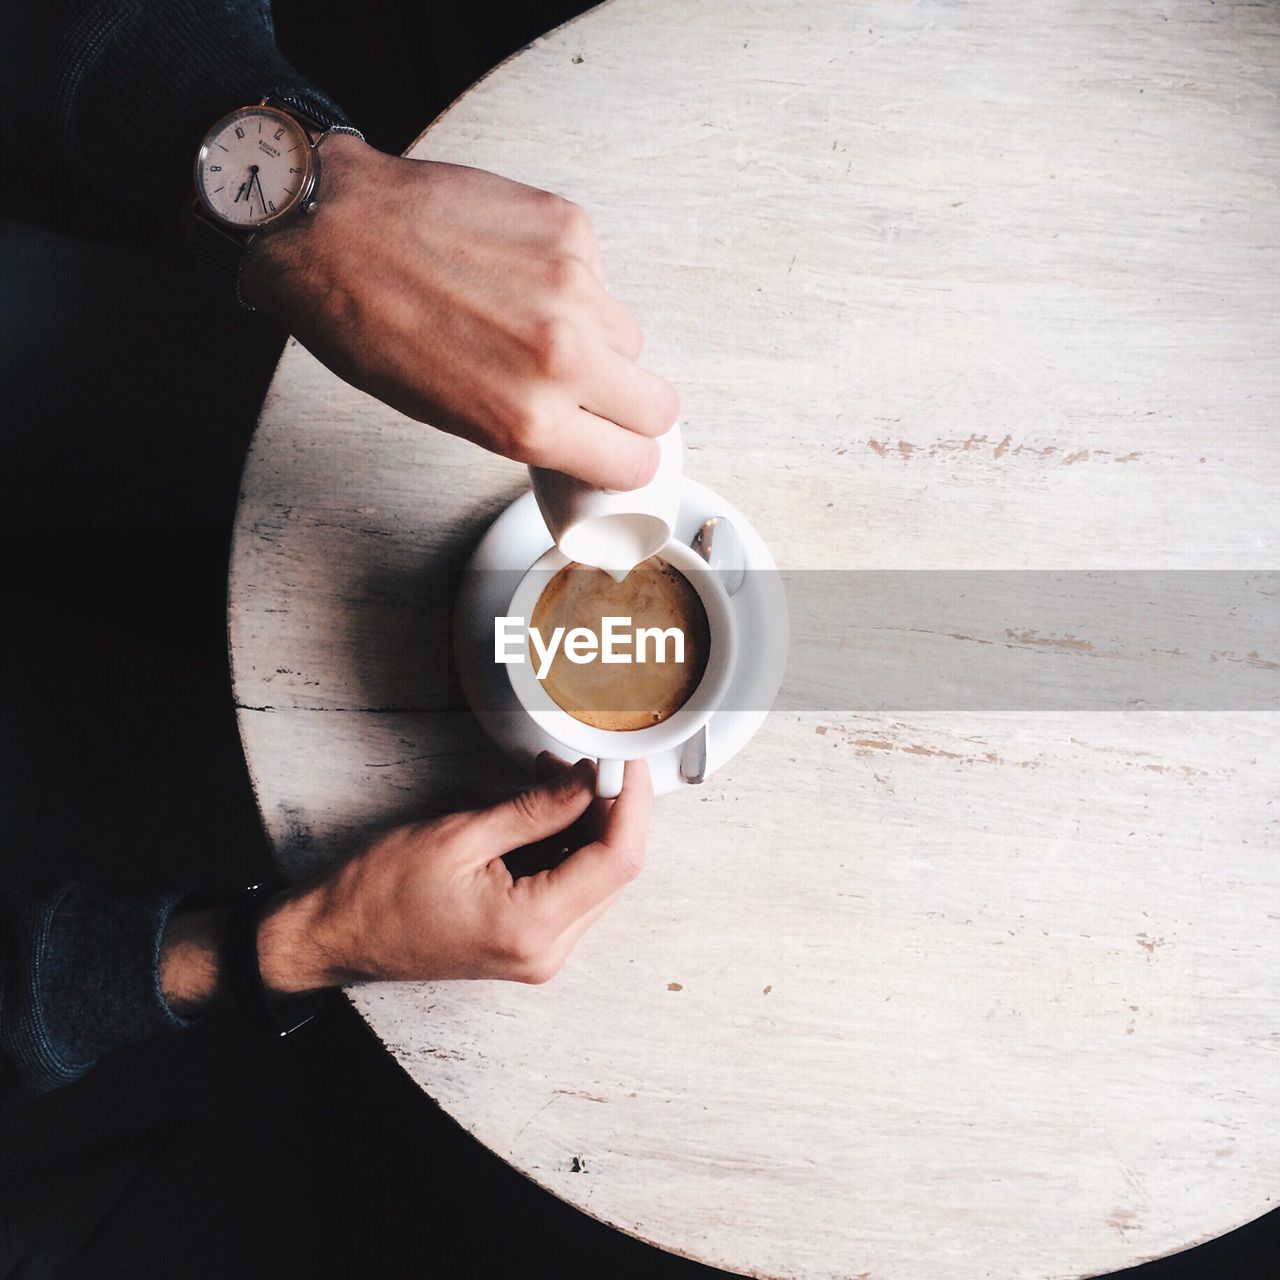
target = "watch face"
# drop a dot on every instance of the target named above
(254, 166)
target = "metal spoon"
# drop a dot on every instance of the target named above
(717, 542)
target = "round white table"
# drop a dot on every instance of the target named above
(943, 285)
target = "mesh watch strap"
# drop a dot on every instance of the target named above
(326, 117)
(218, 256)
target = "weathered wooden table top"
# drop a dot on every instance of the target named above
(943, 286)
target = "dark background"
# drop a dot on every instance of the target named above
(129, 394)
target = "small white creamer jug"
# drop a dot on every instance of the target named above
(611, 529)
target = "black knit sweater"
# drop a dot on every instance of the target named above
(116, 95)
(129, 87)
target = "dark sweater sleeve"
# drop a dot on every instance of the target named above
(137, 83)
(79, 975)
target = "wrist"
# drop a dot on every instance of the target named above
(294, 955)
(277, 255)
(190, 970)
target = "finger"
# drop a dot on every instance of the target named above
(531, 815)
(585, 879)
(626, 825)
(600, 452)
(547, 764)
(552, 850)
(619, 390)
(619, 327)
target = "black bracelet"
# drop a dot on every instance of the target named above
(270, 1015)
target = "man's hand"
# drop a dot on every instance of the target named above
(435, 900)
(471, 302)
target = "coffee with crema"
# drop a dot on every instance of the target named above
(624, 696)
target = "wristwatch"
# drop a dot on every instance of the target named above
(257, 167)
(266, 1013)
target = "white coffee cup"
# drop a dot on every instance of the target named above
(611, 748)
(610, 529)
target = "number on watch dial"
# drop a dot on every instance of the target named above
(254, 166)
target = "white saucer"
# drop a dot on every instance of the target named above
(518, 537)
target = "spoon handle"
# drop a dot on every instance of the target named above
(693, 757)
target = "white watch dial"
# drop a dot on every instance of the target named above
(254, 166)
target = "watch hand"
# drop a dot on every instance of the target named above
(254, 170)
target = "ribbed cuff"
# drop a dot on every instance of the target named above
(88, 981)
(140, 85)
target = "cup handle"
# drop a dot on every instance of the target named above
(609, 778)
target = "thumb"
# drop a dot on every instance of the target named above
(541, 811)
